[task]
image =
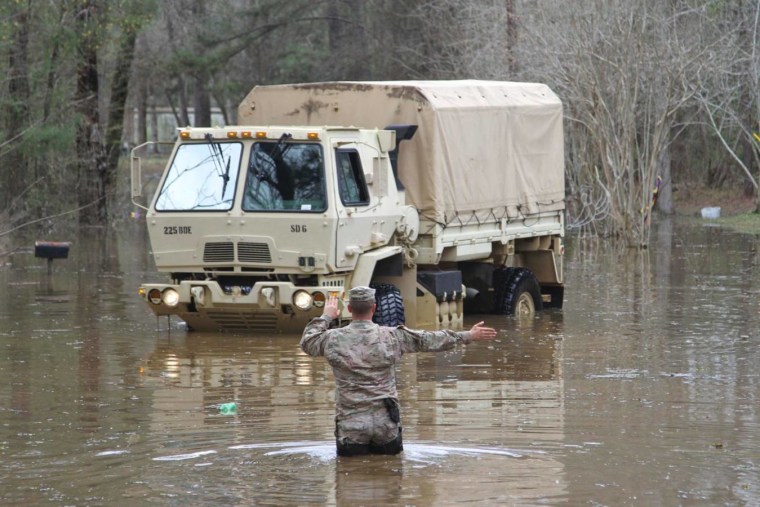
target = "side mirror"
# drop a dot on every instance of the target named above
(386, 140)
(136, 171)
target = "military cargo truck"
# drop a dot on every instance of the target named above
(446, 196)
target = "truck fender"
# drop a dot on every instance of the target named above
(365, 266)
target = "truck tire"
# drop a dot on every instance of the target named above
(390, 305)
(517, 293)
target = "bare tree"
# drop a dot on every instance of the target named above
(623, 69)
(730, 93)
(450, 39)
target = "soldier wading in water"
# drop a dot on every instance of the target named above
(363, 356)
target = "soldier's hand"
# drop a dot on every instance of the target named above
(480, 332)
(331, 308)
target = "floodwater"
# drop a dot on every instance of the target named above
(643, 390)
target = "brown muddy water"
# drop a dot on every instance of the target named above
(643, 390)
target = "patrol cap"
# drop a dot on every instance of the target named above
(361, 294)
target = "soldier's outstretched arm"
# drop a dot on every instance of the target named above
(435, 341)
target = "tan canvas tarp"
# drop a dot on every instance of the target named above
(483, 148)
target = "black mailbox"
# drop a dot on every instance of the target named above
(51, 249)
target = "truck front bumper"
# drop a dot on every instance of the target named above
(264, 307)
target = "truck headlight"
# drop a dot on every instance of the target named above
(302, 300)
(170, 297)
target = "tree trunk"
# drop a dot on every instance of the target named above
(346, 40)
(90, 156)
(665, 192)
(16, 164)
(511, 38)
(142, 114)
(201, 96)
(114, 131)
(201, 102)
(154, 136)
(181, 115)
(52, 75)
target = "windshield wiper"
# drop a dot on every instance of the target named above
(285, 180)
(281, 147)
(218, 158)
(226, 177)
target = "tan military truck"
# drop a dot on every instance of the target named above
(447, 196)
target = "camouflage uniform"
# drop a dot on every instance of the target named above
(363, 356)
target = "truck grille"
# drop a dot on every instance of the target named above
(239, 321)
(219, 252)
(254, 252)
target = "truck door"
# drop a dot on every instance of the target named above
(356, 220)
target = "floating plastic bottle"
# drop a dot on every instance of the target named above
(228, 408)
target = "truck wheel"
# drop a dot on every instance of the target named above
(517, 294)
(390, 305)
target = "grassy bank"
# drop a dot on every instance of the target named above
(745, 222)
(736, 208)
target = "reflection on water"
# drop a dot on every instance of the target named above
(284, 396)
(643, 390)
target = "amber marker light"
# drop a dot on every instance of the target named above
(232, 135)
(141, 292)
(184, 134)
(312, 136)
(246, 134)
(319, 299)
(261, 135)
(154, 296)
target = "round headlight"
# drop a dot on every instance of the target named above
(302, 300)
(154, 296)
(170, 297)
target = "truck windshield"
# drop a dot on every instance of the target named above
(201, 177)
(285, 176)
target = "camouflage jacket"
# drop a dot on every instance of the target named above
(363, 356)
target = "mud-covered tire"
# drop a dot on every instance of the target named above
(516, 293)
(390, 305)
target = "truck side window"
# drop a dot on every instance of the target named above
(351, 184)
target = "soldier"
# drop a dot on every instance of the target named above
(363, 356)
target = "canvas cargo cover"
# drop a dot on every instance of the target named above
(483, 149)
